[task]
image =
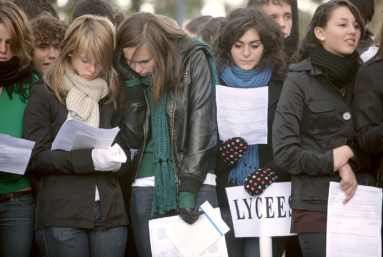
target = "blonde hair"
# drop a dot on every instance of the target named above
(22, 43)
(94, 36)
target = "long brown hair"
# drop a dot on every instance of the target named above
(320, 19)
(22, 43)
(236, 24)
(94, 36)
(162, 39)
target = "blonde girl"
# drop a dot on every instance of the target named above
(80, 209)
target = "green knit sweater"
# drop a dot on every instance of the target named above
(11, 123)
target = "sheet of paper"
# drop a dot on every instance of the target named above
(268, 214)
(14, 154)
(81, 141)
(162, 246)
(242, 112)
(192, 240)
(67, 133)
(354, 229)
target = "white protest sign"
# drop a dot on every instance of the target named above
(265, 215)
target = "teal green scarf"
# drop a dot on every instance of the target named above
(165, 196)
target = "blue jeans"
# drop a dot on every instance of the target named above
(17, 217)
(248, 246)
(72, 242)
(141, 208)
(313, 244)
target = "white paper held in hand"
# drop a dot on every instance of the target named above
(242, 112)
(162, 229)
(14, 154)
(354, 229)
(88, 136)
(192, 240)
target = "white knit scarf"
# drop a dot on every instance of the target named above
(83, 97)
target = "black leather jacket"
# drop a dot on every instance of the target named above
(191, 116)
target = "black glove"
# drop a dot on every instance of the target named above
(122, 67)
(233, 149)
(190, 215)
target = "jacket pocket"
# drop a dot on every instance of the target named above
(322, 117)
(316, 188)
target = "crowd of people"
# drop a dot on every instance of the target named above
(156, 82)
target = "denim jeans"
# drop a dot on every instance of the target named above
(248, 246)
(17, 217)
(141, 208)
(73, 242)
(313, 244)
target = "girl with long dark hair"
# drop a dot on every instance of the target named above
(313, 130)
(170, 119)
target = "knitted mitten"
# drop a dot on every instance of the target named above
(233, 149)
(257, 182)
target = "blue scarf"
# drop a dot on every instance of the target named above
(238, 78)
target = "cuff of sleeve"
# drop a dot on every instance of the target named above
(187, 199)
(82, 161)
(190, 184)
(132, 83)
(329, 163)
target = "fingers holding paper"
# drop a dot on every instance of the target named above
(348, 182)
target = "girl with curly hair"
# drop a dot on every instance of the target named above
(249, 54)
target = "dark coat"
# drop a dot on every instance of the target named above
(191, 118)
(313, 118)
(369, 110)
(68, 179)
(266, 158)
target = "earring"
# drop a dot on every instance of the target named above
(322, 38)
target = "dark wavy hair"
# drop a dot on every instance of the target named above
(47, 28)
(235, 26)
(320, 19)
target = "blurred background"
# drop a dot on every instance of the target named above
(185, 10)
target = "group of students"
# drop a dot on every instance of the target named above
(157, 84)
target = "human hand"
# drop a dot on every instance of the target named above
(109, 159)
(348, 184)
(341, 156)
(121, 66)
(190, 215)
